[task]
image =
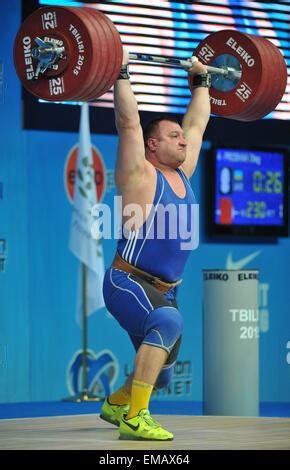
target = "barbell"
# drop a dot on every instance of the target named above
(75, 54)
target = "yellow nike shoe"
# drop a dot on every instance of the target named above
(113, 413)
(144, 428)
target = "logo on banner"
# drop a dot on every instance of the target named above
(70, 173)
(241, 263)
(102, 372)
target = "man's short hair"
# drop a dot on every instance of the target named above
(150, 128)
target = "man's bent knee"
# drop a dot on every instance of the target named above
(163, 327)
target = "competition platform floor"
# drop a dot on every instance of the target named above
(89, 432)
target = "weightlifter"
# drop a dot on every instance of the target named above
(153, 168)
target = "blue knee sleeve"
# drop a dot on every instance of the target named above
(163, 327)
(164, 377)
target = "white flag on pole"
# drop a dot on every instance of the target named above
(82, 244)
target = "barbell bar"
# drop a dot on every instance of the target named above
(185, 64)
(69, 53)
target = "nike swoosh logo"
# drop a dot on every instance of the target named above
(135, 428)
(230, 264)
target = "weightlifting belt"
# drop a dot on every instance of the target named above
(120, 263)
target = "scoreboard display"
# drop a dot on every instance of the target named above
(250, 191)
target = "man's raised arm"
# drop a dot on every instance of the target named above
(131, 152)
(196, 118)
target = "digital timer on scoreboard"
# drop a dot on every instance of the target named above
(249, 192)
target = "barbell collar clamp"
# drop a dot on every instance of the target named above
(47, 54)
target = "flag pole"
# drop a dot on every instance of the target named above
(86, 252)
(85, 332)
(85, 395)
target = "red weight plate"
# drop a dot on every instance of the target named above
(244, 49)
(98, 75)
(115, 53)
(55, 22)
(261, 95)
(91, 79)
(108, 52)
(277, 79)
(275, 85)
(105, 68)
